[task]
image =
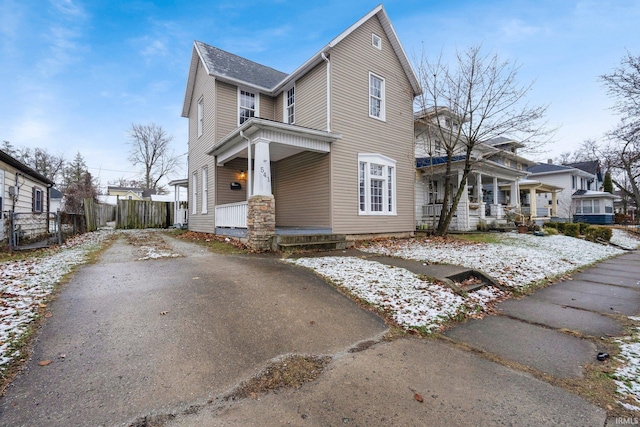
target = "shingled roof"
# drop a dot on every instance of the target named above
(547, 167)
(223, 64)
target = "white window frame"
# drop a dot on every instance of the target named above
(194, 192)
(205, 190)
(376, 41)
(289, 113)
(200, 116)
(387, 181)
(373, 97)
(256, 105)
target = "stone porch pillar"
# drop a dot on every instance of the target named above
(261, 222)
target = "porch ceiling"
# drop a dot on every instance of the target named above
(285, 140)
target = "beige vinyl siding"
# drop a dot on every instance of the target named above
(351, 61)
(204, 87)
(302, 190)
(311, 99)
(267, 107)
(24, 204)
(227, 107)
(279, 108)
(227, 174)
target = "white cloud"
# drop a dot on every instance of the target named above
(154, 48)
(69, 8)
(517, 30)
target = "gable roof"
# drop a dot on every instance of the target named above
(547, 167)
(4, 157)
(227, 66)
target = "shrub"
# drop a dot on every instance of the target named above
(551, 231)
(595, 233)
(572, 229)
(583, 228)
(553, 225)
(561, 226)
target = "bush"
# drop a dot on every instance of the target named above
(583, 228)
(572, 230)
(551, 231)
(595, 233)
(553, 225)
(561, 226)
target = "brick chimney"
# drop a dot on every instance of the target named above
(549, 161)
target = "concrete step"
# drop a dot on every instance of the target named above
(311, 242)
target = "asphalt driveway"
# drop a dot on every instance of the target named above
(128, 338)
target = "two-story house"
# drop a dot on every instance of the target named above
(327, 148)
(580, 198)
(491, 188)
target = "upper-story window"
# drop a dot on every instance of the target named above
(573, 182)
(248, 106)
(376, 97)
(376, 41)
(291, 105)
(200, 116)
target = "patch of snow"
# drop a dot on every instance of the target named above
(625, 239)
(627, 376)
(517, 260)
(409, 300)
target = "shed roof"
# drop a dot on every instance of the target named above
(10, 160)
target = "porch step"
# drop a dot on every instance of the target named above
(311, 242)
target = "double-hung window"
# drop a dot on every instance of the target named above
(194, 193)
(376, 97)
(38, 199)
(205, 190)
(200, 116)
(248, 104)
(376, 185)
(291, 106)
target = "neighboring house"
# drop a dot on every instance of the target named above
(25, 192)
(55, 200)
(130, 193)
(492, 187)
(626, 207)
(577, 201)
(325, 149)
(593, 167)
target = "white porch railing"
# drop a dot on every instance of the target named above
(232, 215)
(433, 210)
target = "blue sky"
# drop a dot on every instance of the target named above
(74, 75)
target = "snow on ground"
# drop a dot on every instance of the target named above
(409, 300)
(26, 284)
(627, 376)
(517, 260)
(625, 239)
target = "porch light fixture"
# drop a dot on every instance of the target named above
(242, 174)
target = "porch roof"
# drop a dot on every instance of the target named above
(484, 166)
(529, 184)
(287, 140)
(591, 194)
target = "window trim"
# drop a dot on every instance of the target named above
(285, 104)
(37, 197)
(376, 38)
(382, 98)
(194, 192)
(256, 109)
(205, 190)
(388, 179)
(200, 116)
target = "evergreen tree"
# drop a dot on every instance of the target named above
(608, 183)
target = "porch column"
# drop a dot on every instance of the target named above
(262, 169)
(495, 190)
(532, 203)
(554, 204)
(463, 205)
(479, 187)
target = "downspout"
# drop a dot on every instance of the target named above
(248, 164)
(326, 59)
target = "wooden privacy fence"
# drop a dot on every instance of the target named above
(97, 214)
(144, 214)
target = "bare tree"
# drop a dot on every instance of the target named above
(49, 165)
(150, 148)
(77, 191)
(474, 101)
(623, 151)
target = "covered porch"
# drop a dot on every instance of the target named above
(262, 162)
(487, 193)
(529, 209)
(181, 204)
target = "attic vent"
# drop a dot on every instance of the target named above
(376, 41)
